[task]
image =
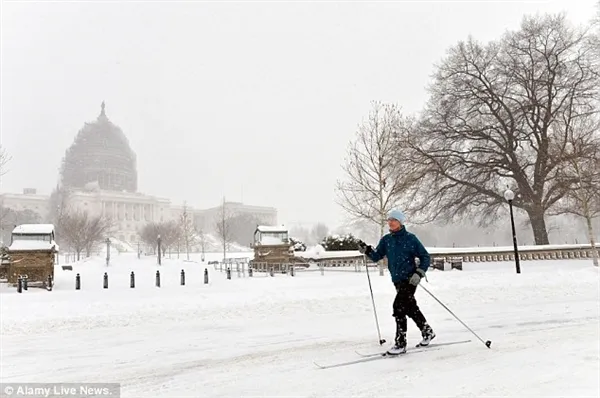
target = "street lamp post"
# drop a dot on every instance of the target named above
(107, 251)
(509, 196)
(158, 240)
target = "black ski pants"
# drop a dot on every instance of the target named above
(405, 305)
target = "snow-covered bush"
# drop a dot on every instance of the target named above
(298, 245)
(340, 242)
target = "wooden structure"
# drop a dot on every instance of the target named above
(32, 252)
(272, 248)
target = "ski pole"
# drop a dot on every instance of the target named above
(381, 341)
(488, 343)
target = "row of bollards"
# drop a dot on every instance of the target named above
(22, 283)
(132, 280)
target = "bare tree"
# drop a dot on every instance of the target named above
(58, 207)
(171, 234)
(202, 241)
(583, 165)
(224, 228)
(499, 115)
(187, 230)
(301, 233)
(149, 234)
(363, 229)
(82, 231)
(169, 231)
(9, 218)
(371, 187)
(98, 229)
(243, 226)
(4, 159)
(318, 233)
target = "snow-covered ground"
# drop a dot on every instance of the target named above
(259, 336)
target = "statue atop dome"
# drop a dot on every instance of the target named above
(100, 154)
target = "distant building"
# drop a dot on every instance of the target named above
(101, 154)
(99, 170)
(28, 200)
(206, 219)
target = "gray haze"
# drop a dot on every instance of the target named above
(252, 99)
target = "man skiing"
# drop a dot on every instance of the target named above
(401, 249)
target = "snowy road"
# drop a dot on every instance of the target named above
(260, 336)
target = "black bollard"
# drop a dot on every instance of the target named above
(50, 281)
(25, 281)
(77, 282)
(132, 280)
(20, 285)
(272, 272)
(292, 270)
(228, 273)
(182, 277)
(205, 276)
(157, 278)
(105, 280)
(250, 272)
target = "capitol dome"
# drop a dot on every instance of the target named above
(100, 155)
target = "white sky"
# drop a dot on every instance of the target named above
(224, 98)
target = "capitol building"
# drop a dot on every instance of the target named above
(99, 171)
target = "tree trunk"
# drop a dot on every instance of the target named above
(382, 262)
(588, 219)
(592, 240)
(538, 225)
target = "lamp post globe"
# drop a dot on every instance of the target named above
(509, 195)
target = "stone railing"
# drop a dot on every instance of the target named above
(506, 253)
(466, 254)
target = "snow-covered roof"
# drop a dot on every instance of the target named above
(34, 229)
(32, 245)
(266, 228)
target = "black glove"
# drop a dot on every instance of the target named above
(364, 248)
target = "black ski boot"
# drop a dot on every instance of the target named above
(428, 334)
(399, 346)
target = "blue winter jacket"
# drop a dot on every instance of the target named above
(401, 248)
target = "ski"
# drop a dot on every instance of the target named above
(361, 360)
(384, 354)
(413, 349)
(373, 357)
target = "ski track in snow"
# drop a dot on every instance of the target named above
(260, 336)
